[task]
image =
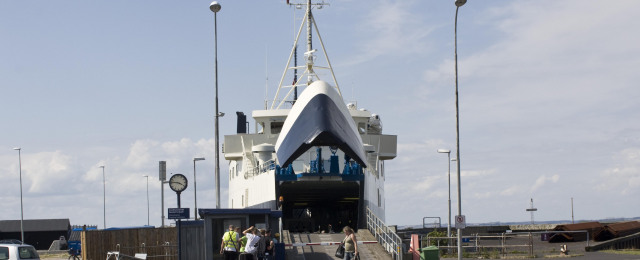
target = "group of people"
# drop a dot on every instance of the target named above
(257, 244)
(253, 244)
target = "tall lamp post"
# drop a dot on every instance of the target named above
(195, 194)
(448, 152)
(147, 176)
(104, 198)
(21, 208)
(458, 3)
(215, 8)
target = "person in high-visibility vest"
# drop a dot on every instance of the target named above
(230, 244)
(243, 240)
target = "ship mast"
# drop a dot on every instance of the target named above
(309, 56)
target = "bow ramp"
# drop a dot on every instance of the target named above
(319, 118)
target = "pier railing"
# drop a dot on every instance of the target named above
(506, 245)
(385, 236)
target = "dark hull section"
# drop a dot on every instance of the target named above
(320, 118)
(311, 206)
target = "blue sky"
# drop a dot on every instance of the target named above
(548, 101)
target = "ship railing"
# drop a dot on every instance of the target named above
(386, 236)
(253, 171)
(287, 104)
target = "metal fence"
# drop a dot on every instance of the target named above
(385, 236)
(513, 244)
(157, 243)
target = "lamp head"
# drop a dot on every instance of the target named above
(444, 151)
(460, 2)
(215, 6)
(220, 114)
(198, 159)
(17, 148)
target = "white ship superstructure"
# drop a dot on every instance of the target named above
(305, 156)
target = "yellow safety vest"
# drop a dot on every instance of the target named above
(230, 240)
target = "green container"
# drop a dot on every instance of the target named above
(430, 253)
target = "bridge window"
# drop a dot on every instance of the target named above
(276, 127)
(362, 128)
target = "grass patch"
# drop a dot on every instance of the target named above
(623, 251)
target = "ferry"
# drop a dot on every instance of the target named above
(315, 157)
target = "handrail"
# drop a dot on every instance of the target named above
(385, 236)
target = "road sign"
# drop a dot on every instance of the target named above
(178, 213)
(461, 222)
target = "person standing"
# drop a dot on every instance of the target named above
(350, 244)
(230, 245)
(262, 244)
(242, 240)
(252, 242)
(270, 245)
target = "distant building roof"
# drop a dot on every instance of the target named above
(33, 225)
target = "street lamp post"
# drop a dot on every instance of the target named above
(21, 207)
(448, 152)
(104, 198)
(458, 3)
(195, 194)
(147, 176)
(215, 8)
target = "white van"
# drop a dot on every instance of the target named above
(17, 252)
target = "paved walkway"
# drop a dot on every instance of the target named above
(585, 256)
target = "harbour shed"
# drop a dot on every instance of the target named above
(575, 232)
(616, 230)
(39, 233)
(217, 221)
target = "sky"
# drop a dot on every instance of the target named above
(548, 102)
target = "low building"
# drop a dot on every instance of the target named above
(39, 233)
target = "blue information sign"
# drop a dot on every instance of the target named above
(178, 213)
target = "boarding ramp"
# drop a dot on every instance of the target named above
(322, 246)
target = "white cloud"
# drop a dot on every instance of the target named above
(512, 190)
(392, 29)
(56, 179)
(479, 173)
(544, 180)
(139, 154)
(45, 172)
(624, 178)
(546, 87)
(548, 61)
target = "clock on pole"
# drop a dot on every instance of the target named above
(178, 183)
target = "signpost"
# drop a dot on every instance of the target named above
(461, 222)
(178, 213)
(178, 183)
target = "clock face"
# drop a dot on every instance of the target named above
(178, 182)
